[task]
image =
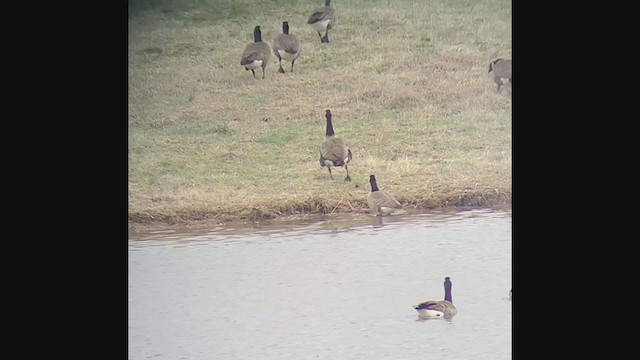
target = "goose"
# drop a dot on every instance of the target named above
(322, 20)
(286, 47)
(500, 72)
(381, 202)
(256, 54)
(438, 308)
(334, 151)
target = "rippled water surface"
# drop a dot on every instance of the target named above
(332, 289)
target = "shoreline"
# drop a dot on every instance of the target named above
(140, 222)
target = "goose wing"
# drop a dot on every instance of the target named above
(255, 51)
(287, 43)
(444, 306)
(379, 199)
(389, 200)
(250, 57)
(320, 14)
(431, 305)
(336, 150)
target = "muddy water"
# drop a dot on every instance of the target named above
(332, 288)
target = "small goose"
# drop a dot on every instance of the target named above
(381, 202)
(500, 72)
(322, 20)
(286, 47)
(256, 54)
(334, 151)
(438, 308)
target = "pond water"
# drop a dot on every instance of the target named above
(331, 289)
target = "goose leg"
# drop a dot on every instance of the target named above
(325, 38)
(254, 74)
(331, 175)
(320, 35)
(281, 70)
(348, 178)
(294, 60)
(263, 71)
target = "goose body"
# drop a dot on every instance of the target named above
(431, 309)
(256, 54)
(286, 47)
(500, 72)
(438, 308)
(322, 20)
(334, 151)
(381, 202)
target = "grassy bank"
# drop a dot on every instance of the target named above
(406, 82)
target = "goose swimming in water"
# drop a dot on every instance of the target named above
(438, 308)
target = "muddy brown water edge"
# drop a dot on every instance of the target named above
(140, 226)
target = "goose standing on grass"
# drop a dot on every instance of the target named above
(256, 54)
(334, 151)
(500, 72)
(322, 20)
(438, 308)
(286, 47)
(381, 202)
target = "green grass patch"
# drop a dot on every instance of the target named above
(406, 82)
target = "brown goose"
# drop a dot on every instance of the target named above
(286, 47)
(256, 54)
(500, 72)
(381, 202)
(322, 20)
(438, 308)
(334, 151)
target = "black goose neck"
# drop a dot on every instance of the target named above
(285, 28)
(257, 35)
(447, 290)
(327, 2)
(329, 124)
(374, 184)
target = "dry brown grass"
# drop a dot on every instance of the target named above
(406, 81)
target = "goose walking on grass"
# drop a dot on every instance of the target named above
(286, 47)
(322, 20)
(500, 72)
(381, 202)
(438, 308)
(256, 54)
(334, 151)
